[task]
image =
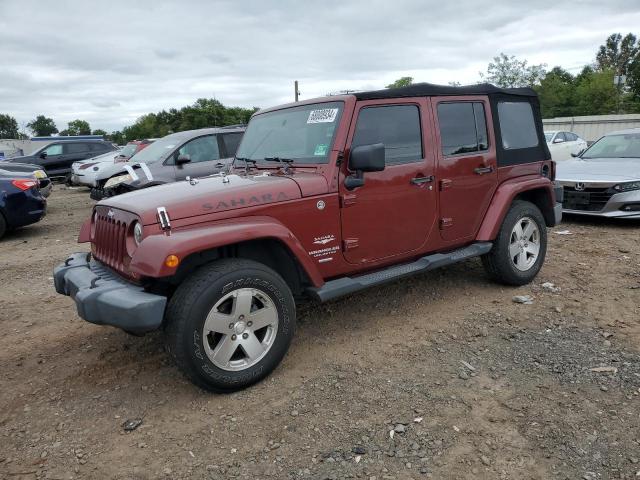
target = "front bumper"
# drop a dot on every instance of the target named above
(619, 205)
(104, 298)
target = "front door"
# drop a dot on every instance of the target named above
(467, 168)
(393, 213)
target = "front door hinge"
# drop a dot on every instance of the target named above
(445, 183)
(348, 199)
(349, 244)
(445, 223)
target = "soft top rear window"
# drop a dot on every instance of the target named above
(517, 125)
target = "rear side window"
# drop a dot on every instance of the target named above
(463, 127)
(517, 125)
(396, 126)
(97, 147)
(571, 137)
(76, 148)
(231, 142)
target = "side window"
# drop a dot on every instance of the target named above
(397, 126)
(76, 148)
(571, 137)
(55, 149)
(97, 147)
(517, 125)
(231, 141)
(201, 149)
(560, 136)
(463, 127)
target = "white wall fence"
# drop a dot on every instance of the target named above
(592, 127)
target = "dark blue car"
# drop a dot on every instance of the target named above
(21, 203)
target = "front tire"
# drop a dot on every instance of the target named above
(230, 324)
(520, 247)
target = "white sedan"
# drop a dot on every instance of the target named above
(563, 145)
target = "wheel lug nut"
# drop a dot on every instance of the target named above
(231, 326)
(241, 317)
(245, 335)
(249, 323)
(233, 337)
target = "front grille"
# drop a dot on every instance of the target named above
(109, 240)
(588, 200)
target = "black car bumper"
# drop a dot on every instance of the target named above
(104, 298)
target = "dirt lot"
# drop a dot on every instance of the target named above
(472, 384)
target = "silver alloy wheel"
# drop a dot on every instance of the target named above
(524, 245)
(240, 329)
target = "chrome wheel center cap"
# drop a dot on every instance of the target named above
(239, 327)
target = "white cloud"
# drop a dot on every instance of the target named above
(109, 62)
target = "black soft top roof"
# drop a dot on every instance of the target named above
(430, 89)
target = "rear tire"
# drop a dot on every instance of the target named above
(230, 324)
(520, 247)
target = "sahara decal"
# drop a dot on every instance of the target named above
(245, 201)
(323, 240)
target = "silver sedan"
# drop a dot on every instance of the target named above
(605, 179)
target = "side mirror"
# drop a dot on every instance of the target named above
(43, 155)
(558, 140)
(364, 158)
(182, 159)
(579, 154)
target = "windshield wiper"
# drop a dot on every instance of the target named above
(246, 163)
(287, 162)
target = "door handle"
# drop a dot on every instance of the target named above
(483, 170)
(422, 180)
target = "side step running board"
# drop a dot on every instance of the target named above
(346, 285)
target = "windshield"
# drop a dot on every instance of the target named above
(548, 136)
(158, 150)
(304, 134)
(128, 150)
(615, 146)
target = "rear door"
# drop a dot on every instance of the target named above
(467, 167)
(393, 213)
(205, 156)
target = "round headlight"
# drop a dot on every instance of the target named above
(137, 233)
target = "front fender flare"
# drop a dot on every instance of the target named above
(148, 259)
(502, 199)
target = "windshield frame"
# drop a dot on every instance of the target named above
(603, 138)
(324, 160)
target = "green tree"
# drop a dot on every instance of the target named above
(8, 126)
(401, 82)
(618, 53)
(595, 93)
(99, 131)
(507, 71)
(116, 137)
(78, 127)
(557, 93)
(42, 126)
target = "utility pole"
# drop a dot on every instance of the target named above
(619, 81)
(296, 91)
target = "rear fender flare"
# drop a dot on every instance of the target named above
(149, 259)
(503, 198)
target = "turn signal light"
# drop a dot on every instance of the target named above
(24, 184)
(171, 261)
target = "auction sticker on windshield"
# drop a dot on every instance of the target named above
(321, 149)
(324, 115)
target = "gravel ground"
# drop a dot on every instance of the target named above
(440, 376)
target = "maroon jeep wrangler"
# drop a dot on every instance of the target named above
(326, 197)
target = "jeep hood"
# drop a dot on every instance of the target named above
(599, 170)
(217, 194)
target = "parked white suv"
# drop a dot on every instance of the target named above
(563, 144)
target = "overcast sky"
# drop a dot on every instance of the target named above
(111, 61)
